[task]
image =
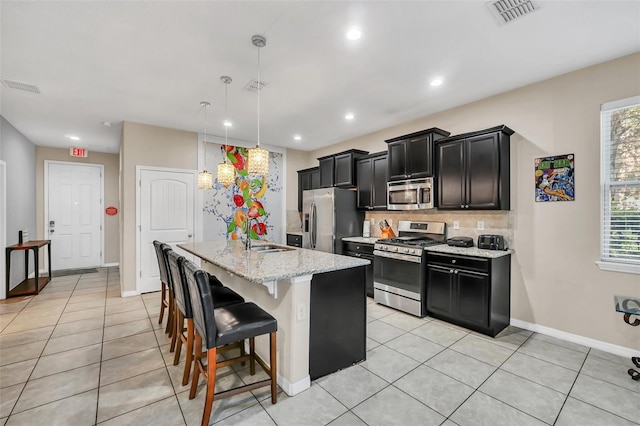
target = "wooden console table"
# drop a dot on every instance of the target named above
(29, 285)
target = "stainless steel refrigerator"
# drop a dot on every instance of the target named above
(328, 215)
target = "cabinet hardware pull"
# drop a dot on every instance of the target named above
(453, 261)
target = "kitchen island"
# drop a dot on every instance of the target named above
(318, 299)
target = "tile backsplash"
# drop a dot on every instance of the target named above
(495, 222)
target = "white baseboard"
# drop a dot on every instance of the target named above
(294, 388)
(581, 340)
(129, 293)
(111, 265)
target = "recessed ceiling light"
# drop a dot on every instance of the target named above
(73, 137)
(106, 123)
(349, 116)
(436, 82)
(297, 137)
(354, 34)
(227, 123)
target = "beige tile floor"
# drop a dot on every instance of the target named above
(79, 354)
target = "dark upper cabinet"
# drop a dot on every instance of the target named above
(307, 179)
(339, 169)
(411, 156)
(371, 175)
(473, 170)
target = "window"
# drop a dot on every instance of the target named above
(620, 176)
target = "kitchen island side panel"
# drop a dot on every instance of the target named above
(338, 318)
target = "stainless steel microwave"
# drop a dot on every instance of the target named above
(413, 194)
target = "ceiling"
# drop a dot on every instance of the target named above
(153, 62)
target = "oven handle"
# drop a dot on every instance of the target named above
(406, 257)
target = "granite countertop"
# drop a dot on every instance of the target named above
(362, 240)
(264, 267)
(469, 251)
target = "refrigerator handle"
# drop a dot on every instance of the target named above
(314, 230)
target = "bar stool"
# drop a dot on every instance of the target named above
(223, 296)
(167, 293)
(220, 326)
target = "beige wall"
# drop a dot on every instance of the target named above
(555, 281)
(110, 163)
(144, 145)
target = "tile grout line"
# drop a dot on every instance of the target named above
(104, 319)
(41, 352)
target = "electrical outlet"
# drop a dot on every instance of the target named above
(456, 224)
(480, 225)
(373, 222)
(301, 312)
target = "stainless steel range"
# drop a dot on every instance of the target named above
(399, 266)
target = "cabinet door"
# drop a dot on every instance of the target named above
(472, 297)
(451, 175)
(315, 178)
(379, 184)
(419, 157)
(326, 172)
(483, 171)
(439, 290)
(364, 173)
(396, 155)
(304, 183)
(343, 175)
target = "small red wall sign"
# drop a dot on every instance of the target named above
(111, 211)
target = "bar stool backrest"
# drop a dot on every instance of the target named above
(162, 262)
(201, 303)
(180, 287)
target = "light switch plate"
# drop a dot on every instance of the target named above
(480, 225)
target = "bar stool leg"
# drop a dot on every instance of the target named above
(178, 335)
(211, 385)
(273, 369)
(162, 302)
(252, 355)
(187, 364)
(169, 328)
(196, 368)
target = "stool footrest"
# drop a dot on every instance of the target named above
(241, 389)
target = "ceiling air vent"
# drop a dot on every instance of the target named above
(510, 10)
(20, 86)
(254, 86)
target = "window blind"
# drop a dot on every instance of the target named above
(620, 177)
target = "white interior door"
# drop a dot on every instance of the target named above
(74, 219)
(166, 213)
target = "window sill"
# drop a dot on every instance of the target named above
(619, 267)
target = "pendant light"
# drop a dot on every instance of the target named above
(205, 179)
(258, 158)
(226, 171)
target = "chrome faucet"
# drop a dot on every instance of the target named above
(247, 221)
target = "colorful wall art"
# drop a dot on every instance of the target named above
(554, 177)
(253, 203)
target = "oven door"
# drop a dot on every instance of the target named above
(398, 281)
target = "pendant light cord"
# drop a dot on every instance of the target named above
(226, 118)
(259, 90)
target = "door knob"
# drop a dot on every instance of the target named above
(51, 231)
(190, 235)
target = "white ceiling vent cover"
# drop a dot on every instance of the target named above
(508, 10)
(254, 86)
(11, 84)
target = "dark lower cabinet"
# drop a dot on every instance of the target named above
(294, 240)
(363, 251)
(470, 291)
(337, 321)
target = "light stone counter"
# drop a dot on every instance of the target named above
(287, 276)
(258, 267)
(469, 251)
(362, 240)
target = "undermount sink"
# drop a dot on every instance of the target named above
(268, 248)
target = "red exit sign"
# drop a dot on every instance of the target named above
(79, 152)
